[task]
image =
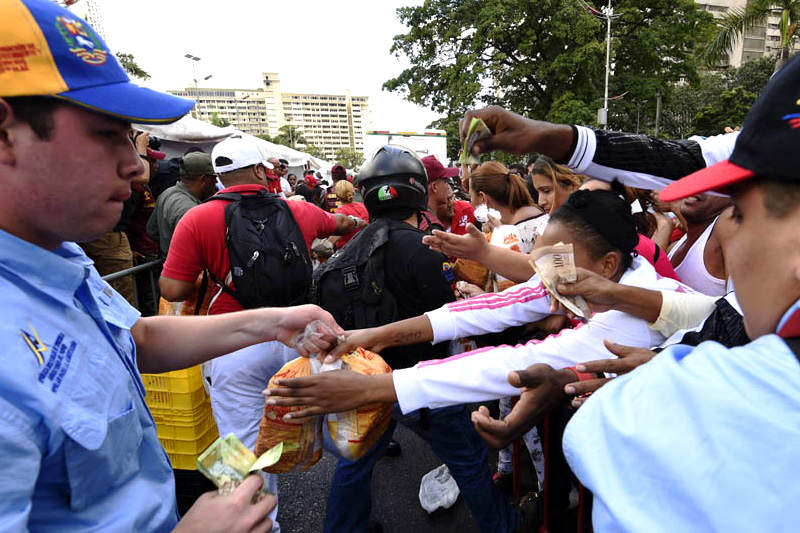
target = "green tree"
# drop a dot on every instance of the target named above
(735, 24)
(314, 151)
(349, 157)
(131, 67)
(265, 137)
(753, 75)
(450, 125)
(217, 121)
(289, 136)
(526, 56)
(728, 110)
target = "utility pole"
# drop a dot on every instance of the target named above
(658, 111)
(609, 13)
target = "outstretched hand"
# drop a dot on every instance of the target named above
(330, 392)
(472, 245)
(629, 357)
(599, 292)
(542, 390)
(518, 135)
(292, 321)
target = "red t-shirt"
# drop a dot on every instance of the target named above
(199, 242)
(355, 209)
(656, 256)
(273, 182)
(463, 214)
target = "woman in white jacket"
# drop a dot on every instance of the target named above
(600, 227)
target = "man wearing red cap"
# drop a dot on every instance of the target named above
(454, 215)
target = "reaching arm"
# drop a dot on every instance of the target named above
(165, 343)
(345, 224)
(473, 245)
(175, 290)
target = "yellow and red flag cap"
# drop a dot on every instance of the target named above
(45, 50)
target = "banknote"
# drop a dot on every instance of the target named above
(227, 462)
(477, 130)
(556, 264)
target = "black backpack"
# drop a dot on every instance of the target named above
(351, 285)
(270, 266)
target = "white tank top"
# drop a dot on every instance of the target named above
(692, 270)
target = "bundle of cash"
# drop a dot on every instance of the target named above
(227, 462)
(556, 264)
(477, 130)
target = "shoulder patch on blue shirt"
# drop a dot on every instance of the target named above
(58, 361)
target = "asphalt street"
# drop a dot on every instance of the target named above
(395, 493)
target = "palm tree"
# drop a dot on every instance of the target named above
(736, 23)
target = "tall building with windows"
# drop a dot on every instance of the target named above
(759, 41)
(327, 121)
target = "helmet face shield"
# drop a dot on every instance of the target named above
(393, 179)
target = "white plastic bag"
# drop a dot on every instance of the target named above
(438, 489)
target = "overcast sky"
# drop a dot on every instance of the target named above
(316, 46)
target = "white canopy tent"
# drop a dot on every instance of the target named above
(189, 131)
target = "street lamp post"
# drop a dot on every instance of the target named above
(193, 59)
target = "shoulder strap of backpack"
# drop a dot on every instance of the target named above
(223, 287)
(794, 345)
(229, 196)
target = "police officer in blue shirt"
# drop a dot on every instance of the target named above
(79, 446)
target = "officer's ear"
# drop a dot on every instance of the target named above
(260, 172)
(6, 144)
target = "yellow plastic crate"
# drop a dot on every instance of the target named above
(175, 400)
(186, 431)
(181, 416)
(183, 461)
(187, 380)
(191, 447)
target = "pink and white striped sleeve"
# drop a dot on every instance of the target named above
(491, 312)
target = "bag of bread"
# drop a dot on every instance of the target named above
(355, 431)
(302, 439)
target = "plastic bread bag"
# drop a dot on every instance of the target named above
(354, 432)
(302, 438)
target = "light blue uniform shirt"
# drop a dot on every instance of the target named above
(79, 448)
(699, 439)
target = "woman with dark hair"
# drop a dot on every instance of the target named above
(601, 229)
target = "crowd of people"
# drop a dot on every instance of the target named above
(677, 395)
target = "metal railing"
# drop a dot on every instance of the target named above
(150, 267)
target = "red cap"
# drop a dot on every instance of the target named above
(310, 180)
(713, 178)
(338, 171)
(436, 171)
(155, 154)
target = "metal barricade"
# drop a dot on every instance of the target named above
(150, 268)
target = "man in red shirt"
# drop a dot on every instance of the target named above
(198, 243)
(453, 215)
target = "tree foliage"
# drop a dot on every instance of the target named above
(314, 151)
(217, 121)
(289, 136)
(349, 157)
(544, 59)
(728, 110)
(128, 63)
(732, 27)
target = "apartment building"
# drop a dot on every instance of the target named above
(328, 121)
(89, 10)
(758, 42)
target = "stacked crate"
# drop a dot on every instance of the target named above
(182, 413)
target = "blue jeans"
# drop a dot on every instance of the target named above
(452, 437)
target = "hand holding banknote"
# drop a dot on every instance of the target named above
(556, 267)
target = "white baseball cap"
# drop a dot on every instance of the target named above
(242, 152)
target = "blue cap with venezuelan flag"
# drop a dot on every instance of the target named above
(45, 50)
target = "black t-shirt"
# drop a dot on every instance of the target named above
(415, 275)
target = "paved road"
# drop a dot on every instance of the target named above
(395, 494)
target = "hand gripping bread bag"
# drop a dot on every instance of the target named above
(353, 432)
(302, 440)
